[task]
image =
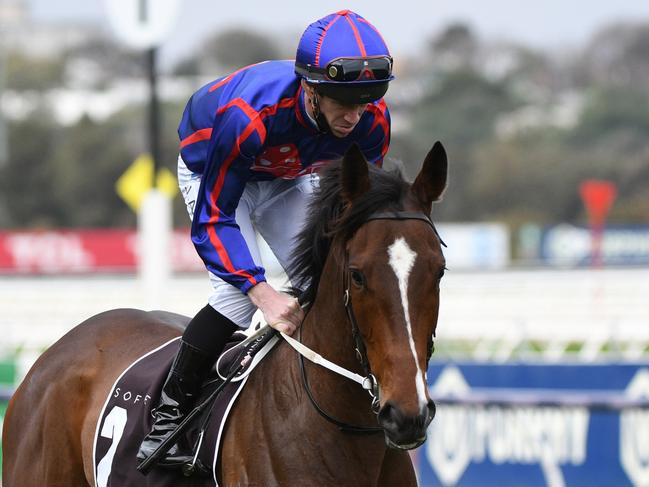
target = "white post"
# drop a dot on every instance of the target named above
(154, 234)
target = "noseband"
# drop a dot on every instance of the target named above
(370, 384)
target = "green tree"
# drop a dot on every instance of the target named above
(26, 191)
(460, 110)
(26, 73)
(229, 50)
(88, 161)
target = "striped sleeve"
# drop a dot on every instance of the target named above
(376, 143)
(235, 139)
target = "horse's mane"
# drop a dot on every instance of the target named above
(328, 220)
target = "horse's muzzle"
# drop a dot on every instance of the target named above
(405, 432)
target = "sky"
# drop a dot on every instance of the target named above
(405, 24)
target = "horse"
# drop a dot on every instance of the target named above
(368, 265)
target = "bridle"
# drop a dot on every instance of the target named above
(369, 383)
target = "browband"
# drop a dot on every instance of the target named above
(406, 215)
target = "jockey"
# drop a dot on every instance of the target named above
(250, 144)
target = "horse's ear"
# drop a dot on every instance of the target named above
(355, 179)
(430, 183)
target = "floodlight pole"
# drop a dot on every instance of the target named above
(4, 140)
(154, 111)
(154, 218)
(143, 24)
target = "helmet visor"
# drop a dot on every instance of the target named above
(349, 69)
(353, 94)
(359, 69)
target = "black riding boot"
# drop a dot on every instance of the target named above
(188, 371)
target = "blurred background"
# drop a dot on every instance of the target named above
(544, 112)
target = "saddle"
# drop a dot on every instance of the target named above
(126, 416)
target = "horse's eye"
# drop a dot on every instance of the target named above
(357, 277)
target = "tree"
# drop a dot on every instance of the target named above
(25, 73)
(461, 111)
(229, 50)
(97, 62)
(26, 192)
(455, 48)
(617, 57)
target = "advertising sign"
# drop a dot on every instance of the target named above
(568, 245)
(85, 251)
(475, 245)
(554, 446)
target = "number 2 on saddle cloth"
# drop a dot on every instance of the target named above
(126, 416)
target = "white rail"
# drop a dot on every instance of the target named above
(486, 315)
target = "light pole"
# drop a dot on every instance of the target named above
(4, 140)
(142, 24)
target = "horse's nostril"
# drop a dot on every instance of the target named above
(385, 412)
(405, 431)
(390, 417)
(432, 410)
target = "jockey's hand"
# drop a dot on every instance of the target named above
(280, 310)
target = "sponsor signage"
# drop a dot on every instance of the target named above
(568, 245)
(85, 251)
(554, 446)
(475, 245)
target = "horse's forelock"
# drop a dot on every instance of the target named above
(328, 219)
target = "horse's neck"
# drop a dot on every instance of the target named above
(327, 330)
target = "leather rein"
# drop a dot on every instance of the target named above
(368, 381)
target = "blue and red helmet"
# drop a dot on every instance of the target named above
(345, 57)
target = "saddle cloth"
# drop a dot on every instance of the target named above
(126, 418)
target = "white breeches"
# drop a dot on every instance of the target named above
(275, 210)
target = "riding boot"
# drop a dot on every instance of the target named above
(190, 367)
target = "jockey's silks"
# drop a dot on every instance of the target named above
(250, 126)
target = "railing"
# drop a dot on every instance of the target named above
(539, 398)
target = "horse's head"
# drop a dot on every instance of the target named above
(371, 259)
(394, 264)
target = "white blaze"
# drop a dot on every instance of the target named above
(402, 258)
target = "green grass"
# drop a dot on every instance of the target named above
(3, 408)
(527, 349)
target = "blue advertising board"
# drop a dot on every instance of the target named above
(473, 445)
(568, 245)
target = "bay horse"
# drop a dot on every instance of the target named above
(368, 263)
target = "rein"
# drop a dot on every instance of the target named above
(368, 382)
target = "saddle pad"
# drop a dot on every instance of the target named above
(126, 418)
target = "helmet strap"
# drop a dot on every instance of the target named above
(319, 118)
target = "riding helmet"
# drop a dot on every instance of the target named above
(345, 57)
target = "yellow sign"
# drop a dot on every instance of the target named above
(136, 182)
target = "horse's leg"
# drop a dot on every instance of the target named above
(397, 469)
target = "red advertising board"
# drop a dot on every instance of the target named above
(85, 251)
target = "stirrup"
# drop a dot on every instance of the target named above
(187, 465)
